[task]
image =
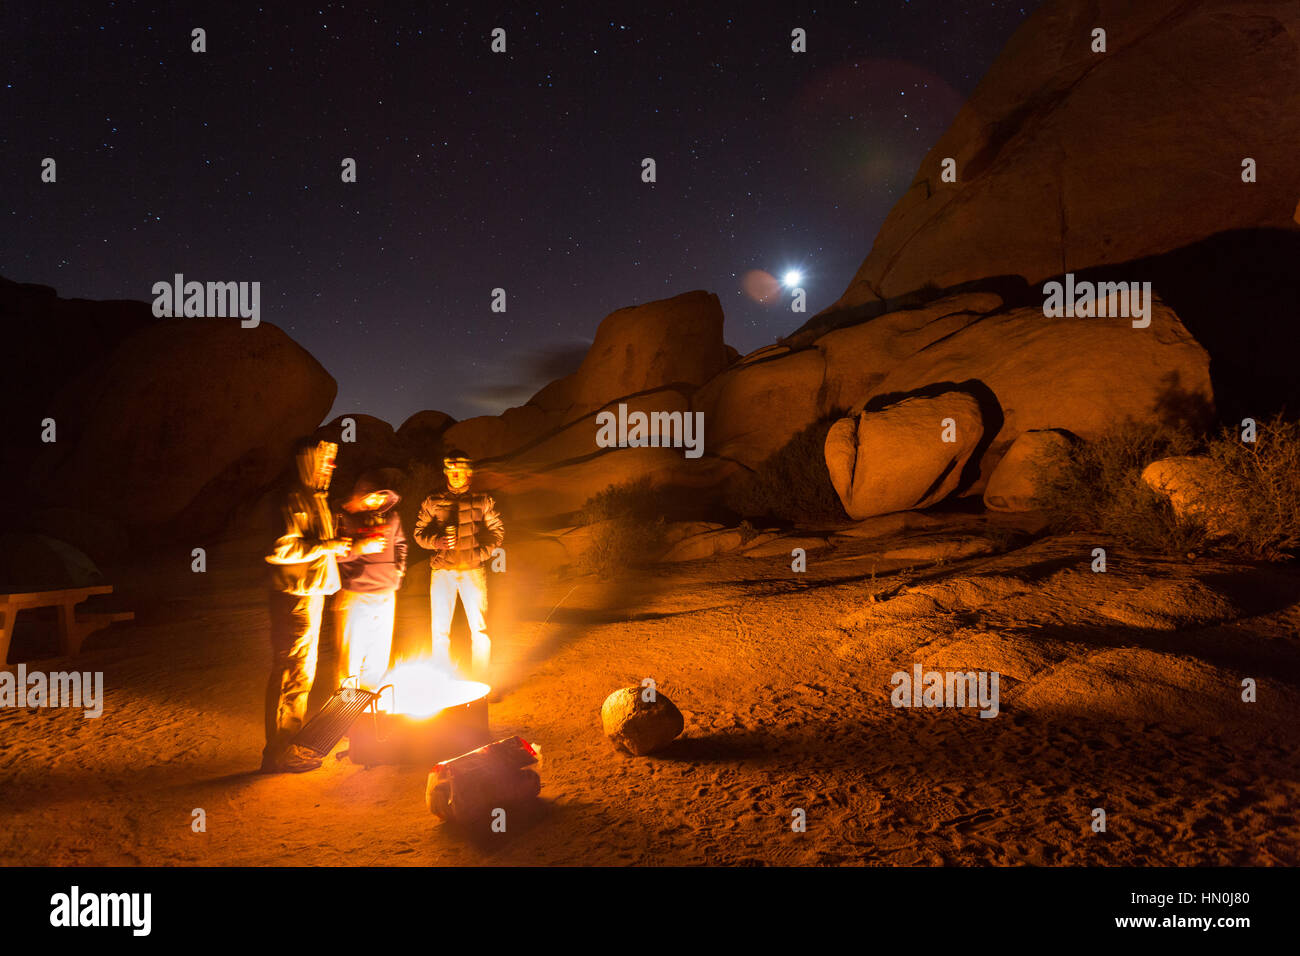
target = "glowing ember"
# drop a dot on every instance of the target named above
(421, 689)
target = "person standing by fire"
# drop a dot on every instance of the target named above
(370, 574)
(304, 570)
(461, 529)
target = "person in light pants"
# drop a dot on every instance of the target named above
(370, 575)
(366, 636)
(471, 586)
(304, 570)
(462, 529)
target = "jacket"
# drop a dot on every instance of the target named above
(479, 529)
(300, 563)
(383, 570)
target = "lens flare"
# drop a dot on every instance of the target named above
(761, 286)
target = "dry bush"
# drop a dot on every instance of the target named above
(1259, 485)
(1253, 494)
(633, 522)
(638, 498)
(1097, 486)
(623, 543)
(792, 484)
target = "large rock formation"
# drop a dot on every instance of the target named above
(752, 410)
(907, 455)
(49, 340)
(538, 491)
(421, 435)
(1082, 375)
(1068, 158)
(755, 407)
(365, 443)
(492, 436)
(1019, 477)
(859, 357)
(578, 438)
(671, 342)
(543, 457)
(179, 424)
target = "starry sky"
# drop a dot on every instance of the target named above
(475, 170)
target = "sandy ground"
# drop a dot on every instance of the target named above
(1118, 690)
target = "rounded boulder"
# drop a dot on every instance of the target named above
(637, 725)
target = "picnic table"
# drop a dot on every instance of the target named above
(74, 628)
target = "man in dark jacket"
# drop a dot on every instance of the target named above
(303, 571)
(370, 574)
(461, 529)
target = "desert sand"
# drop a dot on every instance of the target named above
(1118, 690)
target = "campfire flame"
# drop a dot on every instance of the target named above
(421, 689)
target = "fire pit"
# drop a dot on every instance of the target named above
(424, 715)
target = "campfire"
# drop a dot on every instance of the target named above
(424, 714)
(419, 688)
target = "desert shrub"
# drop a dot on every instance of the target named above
(632, 519)
(638, 498)
(1097, 486)
(1259, 485)
(1253, 493)
(618, 544)
(792, 484)
(747, 531)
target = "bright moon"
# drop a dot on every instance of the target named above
(792, 278)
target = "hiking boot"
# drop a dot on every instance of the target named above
(299, 759)
(294, 760)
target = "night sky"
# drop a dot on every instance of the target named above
(476, 170)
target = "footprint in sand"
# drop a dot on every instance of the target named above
(971, 823)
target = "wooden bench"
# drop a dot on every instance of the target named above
(73, 628)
